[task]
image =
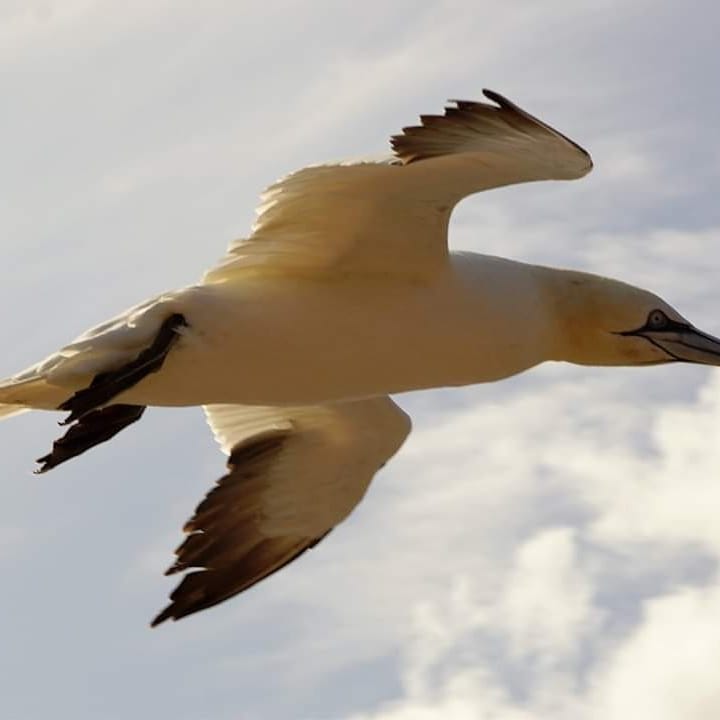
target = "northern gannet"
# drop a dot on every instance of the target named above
(343, 294)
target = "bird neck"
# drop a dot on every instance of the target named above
(509, 311)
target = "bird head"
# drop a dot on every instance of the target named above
(606, 322)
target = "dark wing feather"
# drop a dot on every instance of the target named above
(223, 538)
(294, 473)
(470, 126)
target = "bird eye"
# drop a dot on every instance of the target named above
(657, 320)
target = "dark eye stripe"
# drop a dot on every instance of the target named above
(662, 324)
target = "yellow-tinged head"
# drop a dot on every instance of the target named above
(600, 321)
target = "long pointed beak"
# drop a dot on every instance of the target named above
(686, 344)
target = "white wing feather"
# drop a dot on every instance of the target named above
(331, 455)
(391, 216)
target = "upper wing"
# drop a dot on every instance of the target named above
(293, 474)
(392, 216)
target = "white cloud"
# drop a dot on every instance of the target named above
(674, 496)
(667, 668)
(546, 607)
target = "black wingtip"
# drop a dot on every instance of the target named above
(46, 462)
(161, 617)
(175, 568)
(92, 429)
(499, 99)
(506, 104)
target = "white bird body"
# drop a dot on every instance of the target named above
(279, 341)
(343, 294)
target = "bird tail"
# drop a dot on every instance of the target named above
(28, 391)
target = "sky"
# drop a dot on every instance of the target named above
(546, 546)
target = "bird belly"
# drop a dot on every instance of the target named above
(292, 342)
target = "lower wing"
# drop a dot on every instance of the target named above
(293, 474)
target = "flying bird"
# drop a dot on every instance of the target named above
(343, 294)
